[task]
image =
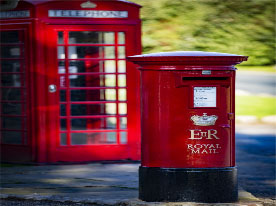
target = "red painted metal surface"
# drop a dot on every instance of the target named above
(188, 109)
(104, 123)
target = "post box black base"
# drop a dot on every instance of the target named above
(209, 185)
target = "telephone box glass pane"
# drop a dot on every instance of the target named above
(61, 53)
(10, 37)
(122, 108)
(93, 123)
(111, 123)
(121, 80)
(11, 137)
(91, 66)
(123, 137)
(123, 122)
(60, 37)
(93, 95)
(121, 51)
(93, 138)
(122, 94)
(12, 94)
(91, 37)
(93, 109)
(12, 80)
(121, 37)
(61, 67)
(122, 66)
(92, 80)
(63, 139)
(11, 108)
(62, 82)
(88, 52)
(62, 110)
(63, 124)
(62, 95)
(10, 51)
(12, 123)
(109, 66)
(11, 66)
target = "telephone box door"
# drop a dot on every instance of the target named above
(92, 94)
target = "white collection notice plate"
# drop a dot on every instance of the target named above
(205, 96)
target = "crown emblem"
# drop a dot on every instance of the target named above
(88, 4)
(204, 120)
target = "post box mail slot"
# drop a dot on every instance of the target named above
(188, 126)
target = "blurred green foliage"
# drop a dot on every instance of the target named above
(245, 27)
(270, 68)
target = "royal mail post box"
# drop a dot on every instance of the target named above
(188, 126)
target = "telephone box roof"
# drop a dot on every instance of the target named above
(36, 2)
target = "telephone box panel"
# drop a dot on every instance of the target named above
(68, 94)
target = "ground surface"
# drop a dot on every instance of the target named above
(256, 83)
(117, 184)
(256, 159)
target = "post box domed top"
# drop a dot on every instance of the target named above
(194, 58)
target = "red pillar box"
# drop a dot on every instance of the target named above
(188, 126)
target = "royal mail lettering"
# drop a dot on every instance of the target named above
(199, 134)
(204, 148)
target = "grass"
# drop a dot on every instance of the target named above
(255, 105)
(271, 68)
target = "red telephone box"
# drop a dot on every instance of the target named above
(67, 92)
(188, 126)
